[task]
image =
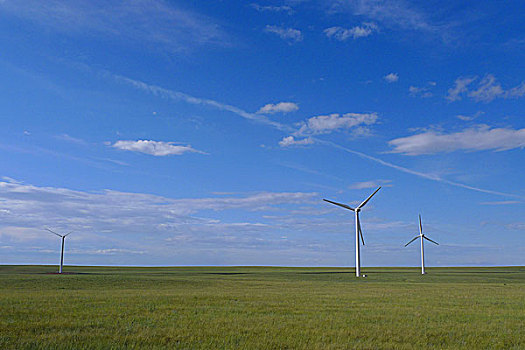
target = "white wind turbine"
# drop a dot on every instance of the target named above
(422, 236)
(62, 252)
(358, 231)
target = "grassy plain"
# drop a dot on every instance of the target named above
(261, 308)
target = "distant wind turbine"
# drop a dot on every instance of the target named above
(358, 231)
(422, 236)
(62, 252)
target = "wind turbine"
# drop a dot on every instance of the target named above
(63, 242)
(358, 231)
(422, 236)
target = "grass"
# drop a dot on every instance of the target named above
(261, 308)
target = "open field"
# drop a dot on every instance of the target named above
(262, 308)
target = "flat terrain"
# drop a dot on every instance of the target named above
(261, 308)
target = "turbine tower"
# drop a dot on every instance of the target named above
(358, 231)
(422, 236)
(62, 252)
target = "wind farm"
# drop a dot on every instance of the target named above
(181, 174)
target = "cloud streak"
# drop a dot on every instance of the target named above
(180, 96)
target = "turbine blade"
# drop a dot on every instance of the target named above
(360, 231)
(67, 234)
(339, 204)
(366, 200)
(413, 239)
(420, 225)
(428, 239)
(53, 232)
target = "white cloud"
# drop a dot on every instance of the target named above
(291, 141)
(356, 32)
(472, 139)
(281, 107)
(391, 77)
(157, 23)
(325, 124)
(289, 34)
(154, 148)
(488, 89)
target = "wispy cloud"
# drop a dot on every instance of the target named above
(281, 107)
(342, 34)
(487, 89)
(459, 88)
(391, 13)
(290, 35)
(154, 148)
(479, 138)
(71, 139)
(421, 91)
(517, 226)
(370, 184)
(468, 118)
(500, 203)
(32, 207)
(276, 9)
(113, 251)
(150, 22)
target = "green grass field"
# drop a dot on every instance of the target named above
(261, 308)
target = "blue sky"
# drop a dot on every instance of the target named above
(208, 133)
